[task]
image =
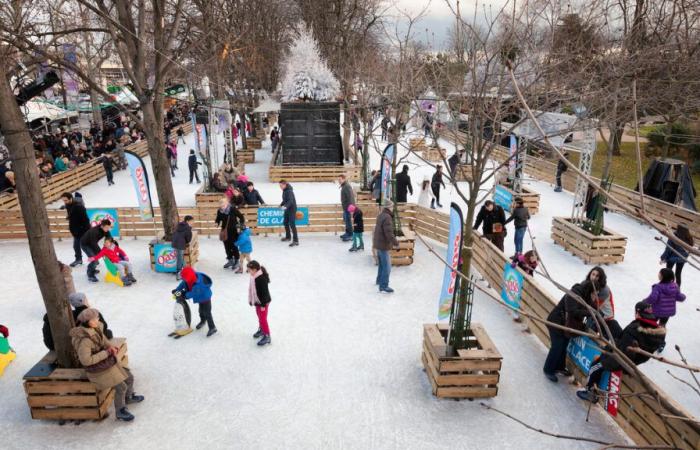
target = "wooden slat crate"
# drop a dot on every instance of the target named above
(434, 154)
(254, 143)
(463, 173)
(245, 156)
(191, 251)
(363, 197)
(531, 199)
(67, 394)
(416, 143)
(473, 373)
(608, 248)
(313, 173)
(403, 254)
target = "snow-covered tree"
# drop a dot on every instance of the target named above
(306, 75)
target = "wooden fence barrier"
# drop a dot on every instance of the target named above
(73, 179)
(640, 417)
(313, 173)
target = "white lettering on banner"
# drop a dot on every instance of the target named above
(142, 185)
(455, 262)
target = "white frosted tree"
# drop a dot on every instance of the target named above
(306, 75)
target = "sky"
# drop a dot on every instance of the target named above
(439, 18)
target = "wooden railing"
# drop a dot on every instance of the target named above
(73, 179)
(639, 416)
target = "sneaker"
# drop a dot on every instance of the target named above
(285, 239)
(201, 324)
(587, 395)
(353, 249)
(131, 278)
(134, 399)
(265, 340)
(93, 279)
(76, 263)
(557, 189)
(126, 281)
(347, 239)
(361, 247)
(211, 332)
(258, 333)
(294, 244)
(125, 415)
(229, 263)
(386, 290)
(551, 377)
(563, 372)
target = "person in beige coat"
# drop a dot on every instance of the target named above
(99, 358)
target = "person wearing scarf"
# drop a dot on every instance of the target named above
(259, 296)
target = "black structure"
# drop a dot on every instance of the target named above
(311, 134)
(669, 180)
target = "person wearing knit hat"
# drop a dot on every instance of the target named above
(197, 286)
(383, 240)
(79, 303)
(87, 315)
(643, 332)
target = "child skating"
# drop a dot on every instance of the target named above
(259, 296)
(245, 247)
(197, 286)
(357, 229)
(116, 255)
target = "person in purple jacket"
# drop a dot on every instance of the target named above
(664, 296)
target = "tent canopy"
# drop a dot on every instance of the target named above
(669, 180)
(34, 110)
(268, 105)
(559, 128)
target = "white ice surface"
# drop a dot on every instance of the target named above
(343, 370)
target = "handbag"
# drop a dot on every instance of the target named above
(103, 365)
(223, 234)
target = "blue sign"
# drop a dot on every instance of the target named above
(274, 217)
(503, 197)
(165, 258)
(454, 247)
(583, 351)
(512, 286)
(96, 215)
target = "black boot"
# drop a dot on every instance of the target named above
(125, 415)
(258, 333)
(201, 324)
(135, 399)
(229, 263)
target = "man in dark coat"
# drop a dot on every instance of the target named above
(78, 224)
(454, 161)
(403, 185)
(347, 198)
(80, 303)
(561, 168)
(193, 164)
(252, 196)
(383, 240)
(181, 238)
(90, 243)
(435, 184)
(643, 332)
(494, 219)
(289, 204)
(108, 165)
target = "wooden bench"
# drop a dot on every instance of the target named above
(67, 394)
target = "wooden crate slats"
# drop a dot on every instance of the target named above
(313, 173)
(608, 248)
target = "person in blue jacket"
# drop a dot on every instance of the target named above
(197, 286)
(245, 247)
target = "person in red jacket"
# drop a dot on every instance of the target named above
(115, 254)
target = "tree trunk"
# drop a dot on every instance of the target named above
(96, 111)
(616, 138)
(153, 127)
(346, 131)
(36, 222)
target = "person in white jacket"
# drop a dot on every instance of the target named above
(426, 193)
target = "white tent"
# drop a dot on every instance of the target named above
(559, 128)
(34, 110)
(268, 105)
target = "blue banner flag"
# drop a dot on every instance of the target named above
(139, 176)
(196, 132)
(503, 197)
(454, 251)
(386, 171)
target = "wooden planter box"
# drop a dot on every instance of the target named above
(434, 154)
(416, 143)
(531, 199)
(473, 373)
(191, 252)
(67, 394)
(463, 172)
(403, 254)
(608, 248)
(254, 143)
(364, 197)
(313, 173)
(245, 156)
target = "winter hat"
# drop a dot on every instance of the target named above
(604, 293)
(644, 310)
(189, 275)
(351, 208)
(388, 204)
(88, 315)
(4, 331)
(77, 299)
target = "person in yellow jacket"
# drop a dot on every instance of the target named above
(6, 352)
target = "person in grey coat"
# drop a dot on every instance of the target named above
(383, 240)
(289, 204)
(347, 198)
(519, 217)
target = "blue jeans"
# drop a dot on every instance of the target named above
(383, 268)
(519, 236)
(180, 255)
(357, 240)
(347, 219)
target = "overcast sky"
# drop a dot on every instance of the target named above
(439, 18)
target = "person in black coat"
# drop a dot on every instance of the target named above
(252, 196)
(435, 184)
(181, 238)
(289, 204)
(78, 224)
(259, 296)
(90, 243)
(358, 228)
(643, 332)
(403, 185)
(193, 164)
(228, 217)
(80, 303)
(570, 313)
(561, 168)
(454, 161)
(494, 219)
(108, 164)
